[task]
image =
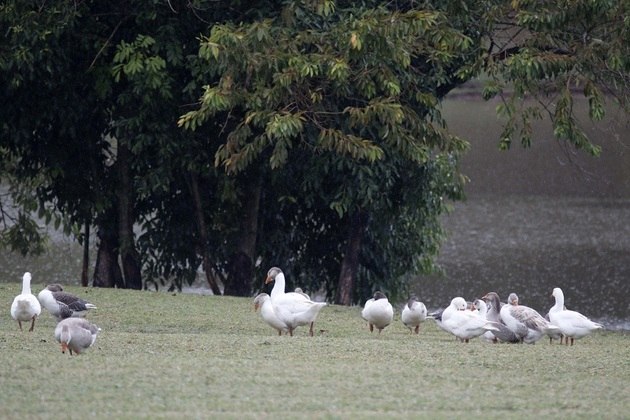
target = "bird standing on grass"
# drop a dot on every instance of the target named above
(378, 312)
(572, 324)
(413, 314)
(528, 325)
(293, 309)
(465, 324)
(76, 334)
(25, 306)
(62, 304)
(263, 302)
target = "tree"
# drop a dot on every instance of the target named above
(328, 88)
(317, 143)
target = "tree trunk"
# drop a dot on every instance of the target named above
(107, 271)
(241, 264)
(86, 255)
(128, 253)
(203, 233)
(350, 262)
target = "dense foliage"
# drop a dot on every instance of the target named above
(303, 134)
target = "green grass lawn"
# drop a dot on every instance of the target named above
(163, 355)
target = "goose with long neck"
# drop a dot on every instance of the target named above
(493, 305)
(294, 309)
(572, 324)
(25, 306)
(277, 276)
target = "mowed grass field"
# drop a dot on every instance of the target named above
(163, 355)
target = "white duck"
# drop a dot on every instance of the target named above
(572, 324)
(263, 302)
(25, 306)
(63, 304)
(76, 334)
(440, 314)
(413, 314)
(378, 312)
(465, 324)
(528, 325)
(294, 309)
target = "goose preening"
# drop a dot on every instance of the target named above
(528, 325)
(25, 306)
(293, 309)
(63, 304)
(465, 324)
(76, 334)
(378, 312)
(493, 313)
(263, 302)
(572, 324)
(413, 314)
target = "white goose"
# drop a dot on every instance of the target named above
(263, 302)
(528, 325)
(63, 304)
(294, 309)
(25, 306)
(413, 314)
(465, 324)
(572, 324)
(76, 334)
(378, 312)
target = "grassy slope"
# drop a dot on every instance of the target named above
(164, 355)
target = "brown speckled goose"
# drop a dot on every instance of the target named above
(528, 325)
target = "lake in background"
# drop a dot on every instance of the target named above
(533, 220)
(537, 219)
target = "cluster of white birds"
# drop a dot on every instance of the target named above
(73, 332)
(486, 317)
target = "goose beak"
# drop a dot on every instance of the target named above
(64, 347)
(268, 280)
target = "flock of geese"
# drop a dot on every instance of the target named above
(73, 331)
(487, 317)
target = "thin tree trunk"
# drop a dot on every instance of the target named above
(350, 262)
(128, 253)
(107, 271)
(86, 255)
(241, 265)
(203, 233)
